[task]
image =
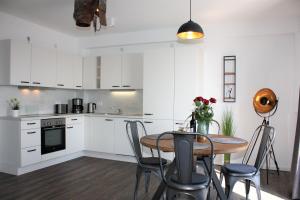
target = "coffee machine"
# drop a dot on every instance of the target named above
(77, 105)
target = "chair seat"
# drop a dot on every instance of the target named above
(241, 169)
(199, 181)
(153, 161)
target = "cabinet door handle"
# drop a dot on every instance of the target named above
(32, 132)
(126, 86)
(115, 86)
(148, 114)
(108, 120)
(179, 123)
(74, 119)
(126, 121)
(24, 81)
(148, 122)
(60, 85)
(78, 86)
(36, 83)
(32, 150)
(33, 123)
(70, 127)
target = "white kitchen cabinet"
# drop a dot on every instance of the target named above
(43, 66)
(64, 78)
(103, 134)
(158, 93)
(77, 71)
(111, 71)
(132, 71)
(15, 62)
(74, 137)
(121, 142)
(187, 80)
(91, 73)
(155, 126)
(30, 155)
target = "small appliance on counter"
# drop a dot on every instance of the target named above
(91, 107)
(61, 108)
(77, 105)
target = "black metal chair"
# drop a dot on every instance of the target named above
(145, 165)
(244, 171)
(185, 182)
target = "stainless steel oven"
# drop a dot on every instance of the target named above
(53, 134)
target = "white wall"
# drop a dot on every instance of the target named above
(266, 57)
(17, 28)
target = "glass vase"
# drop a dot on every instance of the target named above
(202, 127)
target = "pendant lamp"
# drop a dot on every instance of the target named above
(190, 30)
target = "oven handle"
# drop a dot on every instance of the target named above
(52, 128)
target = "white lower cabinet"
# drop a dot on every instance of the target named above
(30, 155)
(103, 134)
(74, 137)
(122, 144)
(156, 126)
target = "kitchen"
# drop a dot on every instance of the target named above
(85, 86)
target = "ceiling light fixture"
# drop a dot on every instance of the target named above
(190, 30)
(86, 11)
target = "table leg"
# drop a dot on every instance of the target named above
(162, 186)
(215, 180)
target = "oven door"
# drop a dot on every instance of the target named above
(53, 139)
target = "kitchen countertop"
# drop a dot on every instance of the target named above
(47, 116)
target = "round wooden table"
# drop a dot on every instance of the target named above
(222, 144)
(166, 144)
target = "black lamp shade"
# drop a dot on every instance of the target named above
(190, 30)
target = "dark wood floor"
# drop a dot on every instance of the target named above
(92, 178)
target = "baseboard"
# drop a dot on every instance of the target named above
(48, 163)
(109, 156)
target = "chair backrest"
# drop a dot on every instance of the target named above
(266, 142)
(184, 148)
(216, 127)
(134, 138)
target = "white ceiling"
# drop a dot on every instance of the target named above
(135, 15)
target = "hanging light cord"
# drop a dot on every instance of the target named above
(190, 10)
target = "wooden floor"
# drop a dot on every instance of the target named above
(92, 178)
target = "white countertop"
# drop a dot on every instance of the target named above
(47, 116)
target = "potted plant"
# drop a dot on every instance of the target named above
(203, 113)
(227, 129)
(14, 104)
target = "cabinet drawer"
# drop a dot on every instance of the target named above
(74, 120)
(33, 124)
(30, 155)
(30, 138)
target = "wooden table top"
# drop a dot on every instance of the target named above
(167, 144)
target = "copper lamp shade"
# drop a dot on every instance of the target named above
(264, 100)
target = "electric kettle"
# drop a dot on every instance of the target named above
(91, 107)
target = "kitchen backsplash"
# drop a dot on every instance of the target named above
(130, 102)
(35, 101)
(41, 101)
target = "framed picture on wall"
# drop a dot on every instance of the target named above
(229, 78)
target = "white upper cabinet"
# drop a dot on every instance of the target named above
(187, 80)
(132, 71)
(91, 73)
(121, 71)
(15, 62)
(43, 66)
(69, 71)
(77, 72)
(158, 93)
(20, 63)
(111, 71)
